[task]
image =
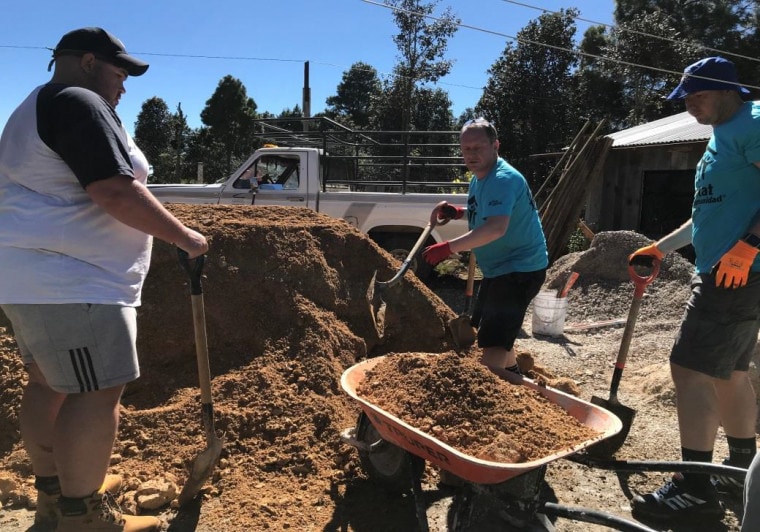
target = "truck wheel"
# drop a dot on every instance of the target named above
(400, 247)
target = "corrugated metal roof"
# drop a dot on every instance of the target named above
(669, 130)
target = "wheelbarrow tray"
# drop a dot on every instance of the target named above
(470, 468)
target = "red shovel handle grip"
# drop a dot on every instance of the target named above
(641, 282)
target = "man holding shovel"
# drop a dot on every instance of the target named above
(507, 239)
(76, 222)
(710, 359)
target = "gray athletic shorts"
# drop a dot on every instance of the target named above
(719, 330)
(78, 347)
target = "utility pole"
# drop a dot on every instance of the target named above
(306, 96)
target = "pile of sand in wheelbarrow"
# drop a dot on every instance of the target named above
(457, 400)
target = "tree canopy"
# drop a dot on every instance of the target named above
(540, 89)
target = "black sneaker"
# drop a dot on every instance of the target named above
(675, 500)
(726, 485)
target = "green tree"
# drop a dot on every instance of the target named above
(422, 44)
(352, 104)
(180, 135)
(528, 94)
(229, 116)
(705, 29)
(631, 45)
(153, 134)
(597, 92)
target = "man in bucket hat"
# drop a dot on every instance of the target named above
(76, 228)
(710, 358)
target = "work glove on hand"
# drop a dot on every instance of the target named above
(450, 212)
(436, 253)
(732, 270)
(645, 256)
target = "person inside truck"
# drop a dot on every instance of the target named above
(507, 239)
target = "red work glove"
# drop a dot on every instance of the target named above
(436, 253)
(732, 270)
(645, 256)
(450, 212)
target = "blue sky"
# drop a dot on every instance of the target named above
(192, 44)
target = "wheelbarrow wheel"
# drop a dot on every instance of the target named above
(385, 463)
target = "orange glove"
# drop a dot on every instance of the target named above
(732, 270)
(646, 255)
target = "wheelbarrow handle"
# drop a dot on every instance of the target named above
(194, 268)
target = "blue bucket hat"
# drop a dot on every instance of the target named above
(714, 74)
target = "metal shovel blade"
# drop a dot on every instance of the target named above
(463, 333)
(201, 470)
(376, 305)
(609, 446)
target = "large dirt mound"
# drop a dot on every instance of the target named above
(285, 298)
(287, 311)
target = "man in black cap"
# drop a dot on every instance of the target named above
(710, 358)
(77, 225)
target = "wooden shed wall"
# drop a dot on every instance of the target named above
(614, 201)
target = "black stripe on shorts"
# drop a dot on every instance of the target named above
(81, 362)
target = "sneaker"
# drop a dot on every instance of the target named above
(675, 500)
(726, 485)
(100, 513)
(47, 514)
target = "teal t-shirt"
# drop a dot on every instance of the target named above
(727, 187)
(505, 192)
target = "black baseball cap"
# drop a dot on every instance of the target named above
(103, 44)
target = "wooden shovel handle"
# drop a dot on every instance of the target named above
(470, 275)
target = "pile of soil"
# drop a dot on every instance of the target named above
(285, 298)
(464, 405)
(288, 309)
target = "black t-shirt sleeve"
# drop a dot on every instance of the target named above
(85, 131)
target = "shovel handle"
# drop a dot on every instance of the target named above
(470, 286)
(640, 284)
(382, 285)
(194, 270)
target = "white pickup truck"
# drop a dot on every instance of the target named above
(392, 213)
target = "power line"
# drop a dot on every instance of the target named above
(236, 58)
(551, 46)
(636, 32)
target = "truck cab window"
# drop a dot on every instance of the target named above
(282, 172)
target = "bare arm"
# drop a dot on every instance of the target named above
(494, 228)
(676, 239)
(130, 202)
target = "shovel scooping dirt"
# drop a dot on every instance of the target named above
(463, 332)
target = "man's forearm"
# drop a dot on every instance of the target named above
(132, 204)
(676, 239)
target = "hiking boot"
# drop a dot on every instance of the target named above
(48, 513)
(100, 513)
(677, 500)
(726, 485)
